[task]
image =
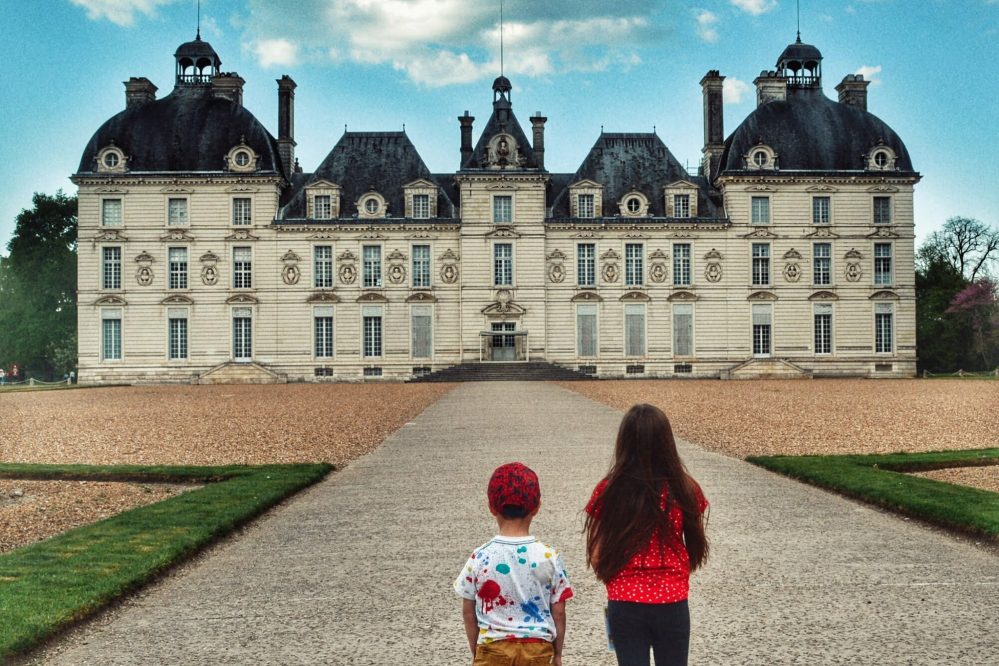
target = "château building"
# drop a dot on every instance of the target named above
(206, 253)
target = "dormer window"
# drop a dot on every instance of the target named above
(323, 205)
(322, 200)
(372, 205)
(633, 204)
(586, 199)
(420, 199)
(761, 157)
(584, 205)
(681, 199)
(241, 158)
(882, 158)
(111, 160)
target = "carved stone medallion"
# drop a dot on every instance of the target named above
(556, 273)
(396, 274)
(348, 274)
(658, 272)
(792, 272)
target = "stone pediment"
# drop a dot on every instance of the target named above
(762, 232)
(586, 183)
(504, 231)
(105, 235)
(822, 232)
(110, 299)
(883, 188)
(506, 308)
(713, 254)
(421, 297)
(681, 184)
(177, 299)
(290, 256)
(824, 295)
(396, 255)
(322, 183)
(241, 235)
(556, 254)
(371, 297)
(683, 296)
(883, 232)
(420, 183)
(635, 296)
(792, 254)
(884, 295)
(210, 257)
(177, 235)
(587, 297)
(762, 295)
(821, 188)
(144, 258)
(242, 299)
(659, 255)
(323, 297)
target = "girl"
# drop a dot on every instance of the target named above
(645, 533)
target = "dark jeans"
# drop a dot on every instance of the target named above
(637, 628)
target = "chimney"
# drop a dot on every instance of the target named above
(714, 122)
(770, 87)
(466, 137)
(538, 122)
(139, 90)
(228, 85)
(853, 91)
(286, 123)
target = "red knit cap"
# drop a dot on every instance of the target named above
(514, 490)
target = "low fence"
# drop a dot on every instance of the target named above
(31, 381)
(962, 373)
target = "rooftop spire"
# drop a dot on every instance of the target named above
(198, 35)
(501, 37)
(798, 4)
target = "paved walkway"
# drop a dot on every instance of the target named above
(357, 570)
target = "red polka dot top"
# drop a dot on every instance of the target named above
(655, 575)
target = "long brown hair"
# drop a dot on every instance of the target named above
(630, 511)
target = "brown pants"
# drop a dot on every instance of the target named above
(512, 653)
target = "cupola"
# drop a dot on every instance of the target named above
(502, 103)
(197, 63)
(801, 65)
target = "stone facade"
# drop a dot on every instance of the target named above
(221, 260)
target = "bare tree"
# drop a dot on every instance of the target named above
(970, 245)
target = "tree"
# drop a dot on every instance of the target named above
(38, 288)
(979, 303)
(941, 338)
(971, 246)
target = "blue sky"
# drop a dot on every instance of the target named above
(626, 65)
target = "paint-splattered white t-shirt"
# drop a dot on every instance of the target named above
(514, 581)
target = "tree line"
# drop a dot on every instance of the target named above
(957, 297)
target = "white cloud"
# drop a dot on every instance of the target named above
(706, 26)
(870, 73)
(275, 52)
(755, 7)
(443, 42)
(121, 12)
(733, 90)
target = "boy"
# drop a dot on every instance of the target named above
(514, 587)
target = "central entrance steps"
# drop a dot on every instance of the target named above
(539, 371)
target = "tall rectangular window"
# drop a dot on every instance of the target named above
(502, 209)
(111, 334)
(762, 334)
(683, 329)
(883, 328)
(503, 264)
(633, 265)
(111, 268)
(323, 326)
(242, 212)
(176, 212)
(242, 334)
(586, 264)
(822, 263)
(584, 205)
(634, 329)
(111, 212)
(177, 333)
(761, 210)
(177, 258)
(421, 206)
(761, 264)
(882, 210)
(322, 206)
(681, 264)
(422, 344)
(586, 330)
(372, 322)
(820, 210)
(681, 205)
(823, 328)
(372, 266)
(421, 265)
(242, 268)
(323, 266)
(882, 264)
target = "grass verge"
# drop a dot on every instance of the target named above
(50, 585)
(882, 480)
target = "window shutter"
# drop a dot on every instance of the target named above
(683, 330)
(586, 326)
(422, 342)
(634, 325)
(761, 315)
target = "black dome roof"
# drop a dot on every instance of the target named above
(502, 84)
(188, 130)
(811, 132)
(800, 52)
(197, 49)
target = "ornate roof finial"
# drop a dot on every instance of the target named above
(501, 37)
(798, 4)
(198, 36)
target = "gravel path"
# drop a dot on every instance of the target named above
(357, 570)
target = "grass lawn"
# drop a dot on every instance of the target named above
(882, 480)
(48, 586)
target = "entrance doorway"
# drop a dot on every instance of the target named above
(503, 347)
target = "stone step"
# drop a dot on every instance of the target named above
(480, 372)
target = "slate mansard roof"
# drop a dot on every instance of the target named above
(634, 161)
(362, 162)
(188, 130)
(810, 132)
